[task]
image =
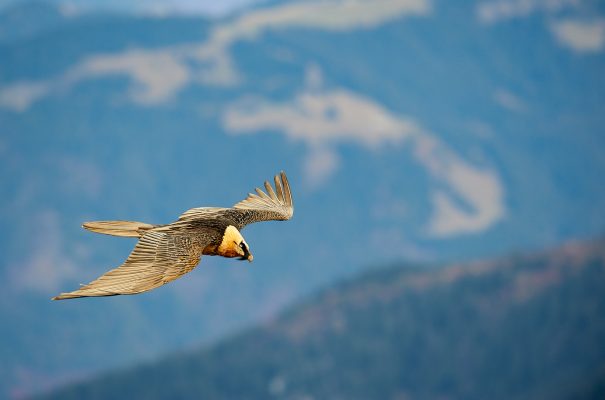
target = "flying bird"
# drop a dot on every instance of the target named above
(166, 252)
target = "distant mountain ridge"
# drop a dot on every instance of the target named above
(522, 327)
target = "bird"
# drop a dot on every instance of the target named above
(164, 253)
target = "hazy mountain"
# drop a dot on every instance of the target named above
(410, 129)
(28, 19)
(521, 327)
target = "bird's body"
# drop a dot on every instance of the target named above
(166, 252)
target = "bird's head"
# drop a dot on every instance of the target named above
(234, 245)
(244, 251)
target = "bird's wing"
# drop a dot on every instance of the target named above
(158, 258)
(275, 205)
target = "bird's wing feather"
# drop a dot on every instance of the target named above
(198, 213)
(274, 205)
(158, 258)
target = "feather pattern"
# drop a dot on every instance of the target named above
(277, 205)
(158, 258)
(118, 228)
(274, 205)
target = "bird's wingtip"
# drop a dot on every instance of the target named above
(64, 296)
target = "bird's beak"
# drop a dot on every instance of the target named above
(247, 256)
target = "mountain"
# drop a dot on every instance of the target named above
(28, 19)
(410, 129)
(522, 327)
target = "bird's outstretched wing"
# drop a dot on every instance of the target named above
(158, 258)
(275, 205)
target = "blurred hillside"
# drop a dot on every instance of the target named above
(422, 130)
(522, 327)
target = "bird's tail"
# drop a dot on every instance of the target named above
(118, 228)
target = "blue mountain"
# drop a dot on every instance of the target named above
(521, 327)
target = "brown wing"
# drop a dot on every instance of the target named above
(275, 205)
(158, 258)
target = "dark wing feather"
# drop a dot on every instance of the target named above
(275, 205)
(158, 258)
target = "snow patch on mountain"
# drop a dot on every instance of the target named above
(580, 35)
(319, 118)
(158, 75)
(494, 11)
(331, 15)
(510, 101)
(20, 96)
(466, 198)
(320, 165)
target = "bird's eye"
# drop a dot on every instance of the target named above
(242, 245)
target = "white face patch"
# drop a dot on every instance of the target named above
(229, 247)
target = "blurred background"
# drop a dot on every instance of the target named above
(447, 162)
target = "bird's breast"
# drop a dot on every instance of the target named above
(210, 250)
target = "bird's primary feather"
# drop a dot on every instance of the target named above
(118, 228)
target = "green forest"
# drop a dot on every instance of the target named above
(522, 327)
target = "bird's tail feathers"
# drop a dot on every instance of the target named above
(118, 228)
